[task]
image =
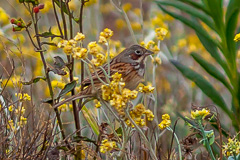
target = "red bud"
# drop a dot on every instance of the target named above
(36, 9)
(13, 21)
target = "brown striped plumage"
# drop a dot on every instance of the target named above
(130, 63)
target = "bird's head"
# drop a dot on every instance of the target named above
(135, 54)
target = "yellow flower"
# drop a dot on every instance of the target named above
(47, 7)
(22, 121)
(155, 49)
(107, 33)
(90, 2)
(120, 24)
(10, 125)
(166, 122)
(68, 49)
(237, 37)
(161, 33)
(80, 53)
(107, 146)
(79, 37)
(94, 48)
(97, 103)
(62, 43)
(166, 116)
(117, 77)
(182, 43)
(157, 60)
(139, 109)
(23, 97)
(20, 110)
(136, 26)
(102, 40)
(4, 17)
(149, 115)
(58, 84)
(150, 44)
(146, 89)
(10, 108)
(126, 7)
(99, 60)
(232, 147)
(106, 92)
(63, 108)
(137, 11)
(200, 114)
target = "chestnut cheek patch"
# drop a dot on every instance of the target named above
(134, 56)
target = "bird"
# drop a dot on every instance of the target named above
(130, 63)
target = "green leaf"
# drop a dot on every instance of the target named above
(210, 135)
(192, 24)
(196, 5)
(47, 100)
(203, 84)
(212, 49)
(216, 11)
(190, 10)
(231, 19)
(67, 88)
(212, 70)
(91, 121)
(48, 34)
(34, 80)
(64, 8)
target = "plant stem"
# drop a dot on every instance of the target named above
(48, 79)
(206, 140)
(153, 155)
(177, 141)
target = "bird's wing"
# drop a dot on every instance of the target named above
(121, 68)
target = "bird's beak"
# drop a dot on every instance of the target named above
(148, 52)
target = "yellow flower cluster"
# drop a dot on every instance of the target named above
(231, 148)
(157, 60)
(117, 94)
(58, 84)
(79, 37)
(22, 121)
(200, 114)
(237, 37)
(65, 107)
(137, 113)
(105, 35)
(23, 97)
(20, 110)
(10, 125)
(70, 48)
(90, 2)
(127, 7)
(95, 50)
(166, 122)
(161, 33)
(107, 146)
(145, 89)
(97, 103)
(151, 45)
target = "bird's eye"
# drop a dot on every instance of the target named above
(138, 52)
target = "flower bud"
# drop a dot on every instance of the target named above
(15, 29)
(13, 21)
(36, 9)
(41, 6)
